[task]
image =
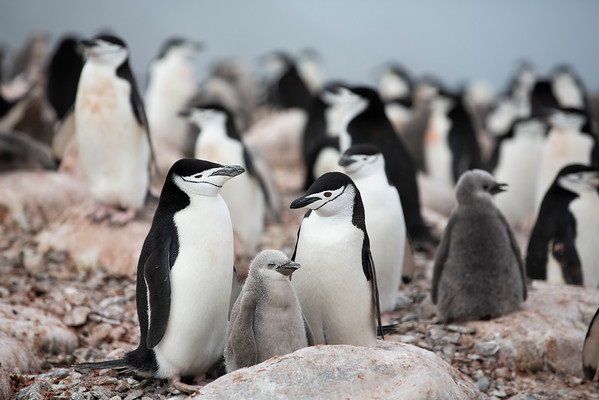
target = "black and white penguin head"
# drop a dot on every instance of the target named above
(179, 48)
(578, 178)
(331, 194)
(567, 119)
(276, 64)
(476, 185)
(272, 264)
(350, 102)
(529, 127)
(568, 87)
(395, 83)
(201, 178)
(206, 116)
(106, 50)
(362, 160)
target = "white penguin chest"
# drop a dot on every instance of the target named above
(200, 289)
(437, 153)
(585, 209)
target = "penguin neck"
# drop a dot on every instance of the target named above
(275, 288)
(214, 130)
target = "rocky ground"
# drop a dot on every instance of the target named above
(57, 309)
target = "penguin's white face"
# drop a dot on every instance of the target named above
(362, 165)
(346, 103)
(186, 51)
(206, 117)
(207, 182)
(274, 66)
(580, 182)
(441, 104)
(567, 90)
(502, 117)
(106, 53)
(328, 202)
(533, 128)
(273, 264)
(392, 86)
(567, 121)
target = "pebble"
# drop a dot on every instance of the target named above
(462, 329)
(487, 349)
(134, 394)
(74, 296)
(77, 316)
(451, 338)
(437, 334)
(483, 383)
(409, 317)
(498, 393)
(406, 338)
(116, 398)
(402, 302)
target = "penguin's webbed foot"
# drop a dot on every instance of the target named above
(184, 387)
(122, 216)
(100, 213)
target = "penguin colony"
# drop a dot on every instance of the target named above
(525, 161)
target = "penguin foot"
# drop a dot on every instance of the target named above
(184, 387)
(122, 217)
(100, 213)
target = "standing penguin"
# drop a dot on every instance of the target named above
(567, 228)
(569, 141)
(385, 223)
(590, 349)
(184, 277)
(366, 122)
(112, 133)
(172, 84)
(219, 141)
(287, 87)
(336, 286)
(516, 157)
(266, 320)
(478, 271)
(395, 87)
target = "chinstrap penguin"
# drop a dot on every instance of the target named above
(478, 272)
(567, 230)
(337, 284)
(590, 349)
(113, 139)
(184, 276)
(266, 320)
(385, 223)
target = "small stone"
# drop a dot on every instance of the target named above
(406, 338)
(449, 351)
(77, 316)
(483, 383)
(74, 296)
(121, 386)
(487, 349)
(409, 317)
(134, 394)
(451, 338)
(474, 357)
(437, 334)
(116, 398)
(498, 393)
(461, 329)
(402, 302)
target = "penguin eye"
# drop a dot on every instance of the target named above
(198, 175)
(271, 265)
(486, 187)
(327, 194)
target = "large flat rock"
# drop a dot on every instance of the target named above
(548, 331)
(92, 245)
(389, 371)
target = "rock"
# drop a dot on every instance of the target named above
(483, 383)
(34, 391)
(92, 245)
(487, 349)
(461, 329)
(134, 394)
(26, 332)
(547, 332)
(77, 316)
(5, 388)
(30, 199)
(390, 369)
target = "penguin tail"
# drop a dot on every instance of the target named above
(386, 329)
(110, 364)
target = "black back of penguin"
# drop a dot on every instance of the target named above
(289, 90)
(63, 72)
(556, 227)
(462, 138)
(372, 126)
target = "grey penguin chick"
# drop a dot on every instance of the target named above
(478, 270)
(267, 319)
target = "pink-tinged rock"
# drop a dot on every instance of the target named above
(389, 371)
(547, 333)
(91, 245)
(27, 335)
(31, 199)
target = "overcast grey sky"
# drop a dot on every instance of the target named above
(456, 40)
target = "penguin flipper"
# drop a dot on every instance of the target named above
(309, 334)
(564, 251)
(590, 349)
(543, 232)
(249, 164)
(370, 273)
(306, 215)
(517, 253)
(441, 257)
(241, 337)
(157, 276)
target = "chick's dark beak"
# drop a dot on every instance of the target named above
(229, 170)
(344, 161)
(498, 188)
(288, 268)
(302, 202)
(184, 113)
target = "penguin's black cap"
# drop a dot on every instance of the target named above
(213, 106)
(190, 166)
(176, 42)
(374, 100)
(105, 37)
(362, 149)
(574, 169)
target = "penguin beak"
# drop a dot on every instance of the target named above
(288, 268)
(498, 188)
(184, 114)
(87, 43)
(303, 201)
(345, 161)
(229, 170)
